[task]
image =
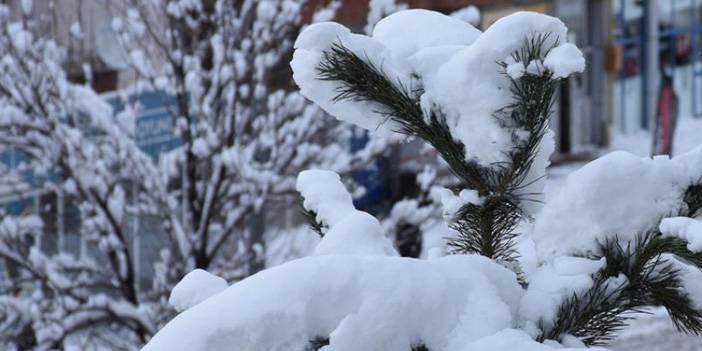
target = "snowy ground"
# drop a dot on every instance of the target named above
(649, 332)
(688, 135)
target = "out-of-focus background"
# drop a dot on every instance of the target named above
(641, 91)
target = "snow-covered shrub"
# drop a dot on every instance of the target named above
(244, 133)
(604, 248)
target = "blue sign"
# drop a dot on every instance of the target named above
(154, 130)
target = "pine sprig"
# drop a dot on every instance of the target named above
(361, 80)
(487, 229)
(596, 315)
(317, 343)
(529, 112)
(311, 218)
(693, 198)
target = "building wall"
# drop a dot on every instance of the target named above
(91, 45)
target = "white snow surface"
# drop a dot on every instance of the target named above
(309, 46)
(362, 303)
(470, 14)
(194, 288)
(564, 60)
(691, 278)
(407, 32)
(358, 233)
(455, 64)
(451, 202)
(618, 195)
(324, 194)
(685, 228)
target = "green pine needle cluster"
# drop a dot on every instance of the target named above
(652, 279)
(360, 80)
(312, 220)
(599, 313)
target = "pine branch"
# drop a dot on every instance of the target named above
(529, 112)
(361, 80)
(693, 198)
(317, 343)
(311, 217)
(597, 314)
(594, 316)
(487, 229)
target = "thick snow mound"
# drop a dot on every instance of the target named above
(406, 32)
(565, 60)
(360, 303)
(470, 14)
(619, 195)
(194, 288)
(691, 279)
(359, 234)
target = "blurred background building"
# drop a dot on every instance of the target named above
(613, 96)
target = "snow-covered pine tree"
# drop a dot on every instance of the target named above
(604, 248)
(244, 131)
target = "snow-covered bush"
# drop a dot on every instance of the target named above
(621, 235)
(244, 134)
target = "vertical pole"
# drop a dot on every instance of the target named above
(136, 239)
(598, 24)
(651, 70)
(621, 24)
(59, 222)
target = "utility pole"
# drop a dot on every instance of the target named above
(651, 62)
